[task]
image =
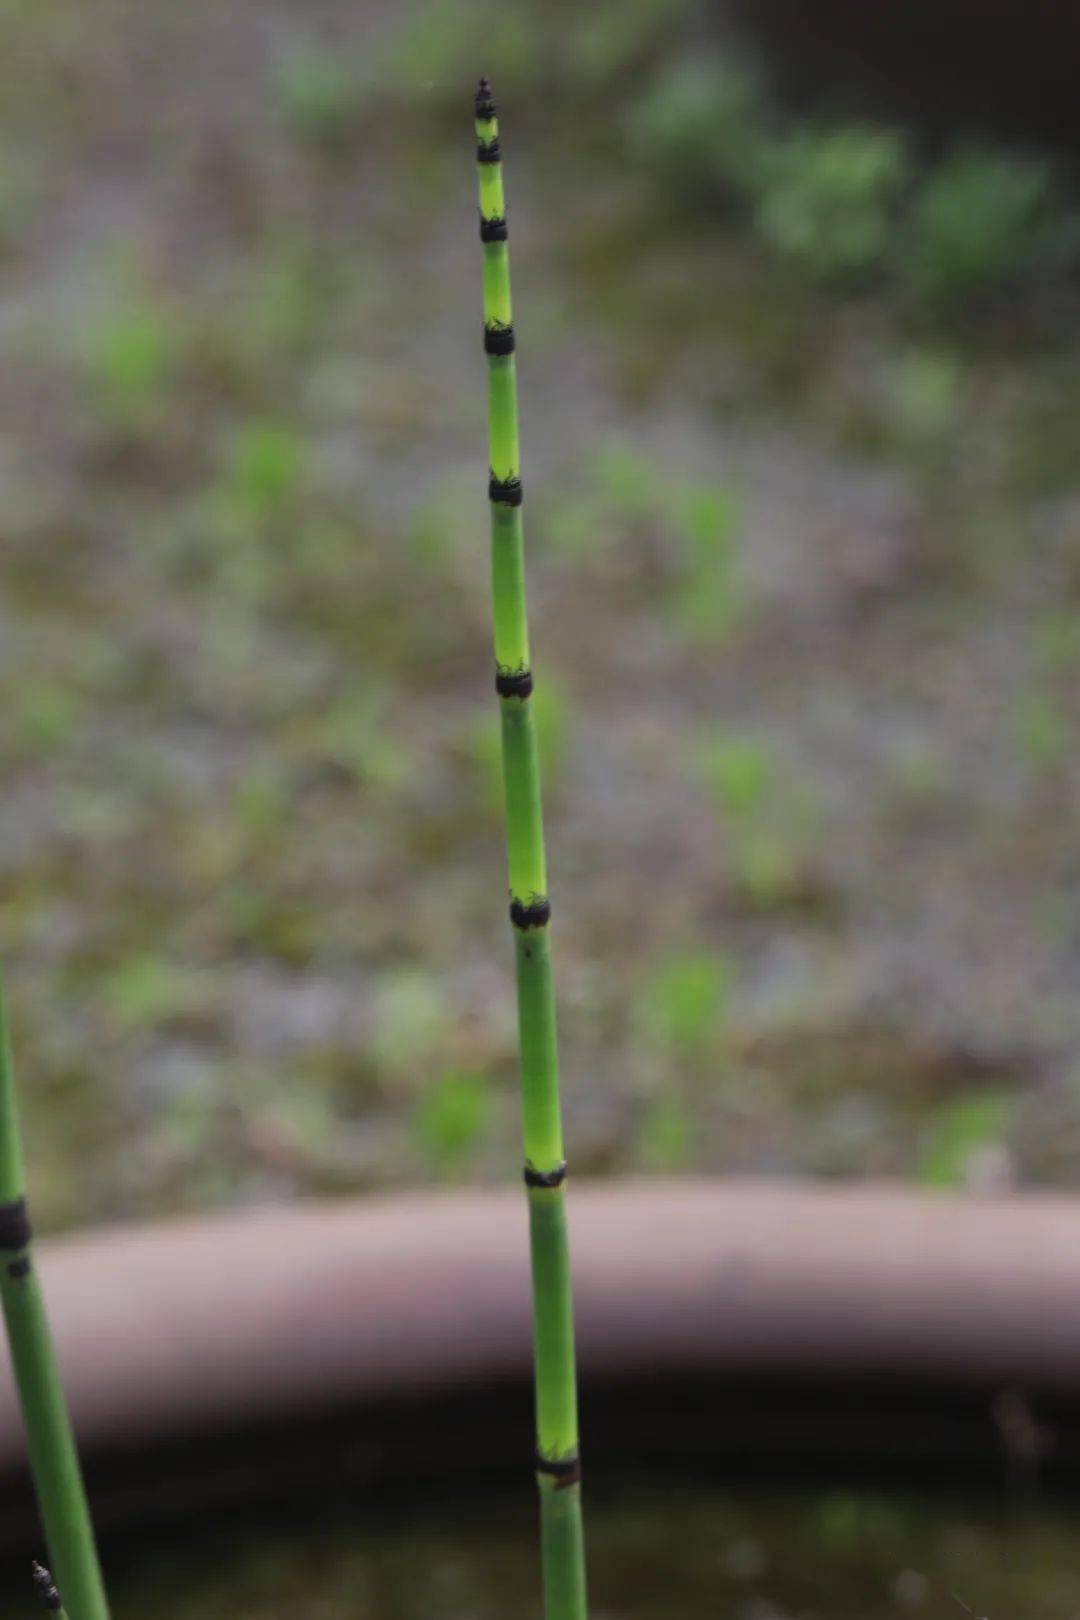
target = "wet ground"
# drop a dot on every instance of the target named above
(804, 576)
(671, 1552)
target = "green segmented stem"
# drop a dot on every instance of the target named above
(54, 1462)
(558, 1473)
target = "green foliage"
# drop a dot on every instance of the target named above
(320, 94)
(1041, 731)
(265, 468)
(958, 1132)
(132, 357)
(436, 46)
(629, 496)
(46, 715)
(684, 1006)
(452, 1117)
(740, 773)
(285, 929)
(925, 389)
(16, 203)
(412, 1021)
(608, 37)
(701, 119)
(285, 298)
(841, 201)
(978, 222)
(441, 526)
(769, 821)
(825, 199)
(705, 598)
(260, 801)
(667, 1135)
(628, 482)
(1057, 640)
(768, 867)
(144, 990)
(351, 733)
(621, 489)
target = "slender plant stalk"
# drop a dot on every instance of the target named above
(51, 1444)
(558, 1469)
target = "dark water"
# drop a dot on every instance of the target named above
(654, 1551)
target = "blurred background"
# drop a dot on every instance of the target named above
(799, 320)
(798, 336)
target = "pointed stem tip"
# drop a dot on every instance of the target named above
(485, 101)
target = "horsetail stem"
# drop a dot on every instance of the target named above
(557, 1466)
(54, 1462)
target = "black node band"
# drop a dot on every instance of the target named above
(20, 1268)
(565, 1471)
(492, 230)
(14, 1225)
(506, 491)
(519, 684)
(498, 340)
(548, 1179)
(46, 1590)
(489, 151)
(537, 914)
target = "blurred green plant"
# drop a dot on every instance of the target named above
(144, 990)
(353, 734)
(132, 358)
(260, 801)
(626, 481)
(412, 1020)
(925, 391)
(705, 598)
(251, 504)
(770, 822)
(825, 199)
(320, 94)
(978, 221)
(702, 119)
(610, 37)
(46, 715)
(844, 201)
(684, 1006)
(265, 467)
(1057, 640)
(958, 1133)
(740, 772)
(1041, 731)
(666, 1139)
(285, 299)
(686, 529)
(279, 926)
(451, 1118)
(433, 47)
